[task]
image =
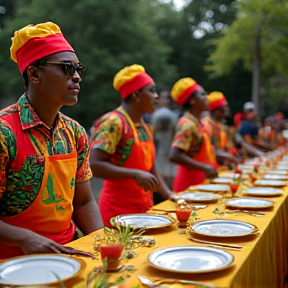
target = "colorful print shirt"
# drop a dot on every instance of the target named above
(188, 136)
(22, 166)
(217, 133)
(113, 134)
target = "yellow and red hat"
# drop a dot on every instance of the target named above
(216, 99)
(130, 79)
(182, 89)
(34, 42)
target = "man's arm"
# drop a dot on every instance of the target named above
(86, 213)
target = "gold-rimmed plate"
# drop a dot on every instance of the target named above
(249, 203)
(275, 177)
(199, 197)
(263, 191)
(190, 259)
(223, 228)
(143, 221)
(39, 270)
(278, 172)
(221, 180)
(270, 183)
(214, 188)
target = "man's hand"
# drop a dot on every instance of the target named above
(209, 171)
(146, 180)
(37, 244)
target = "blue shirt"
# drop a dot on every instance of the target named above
(248, 128)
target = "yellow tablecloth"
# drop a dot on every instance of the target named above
(261, 263)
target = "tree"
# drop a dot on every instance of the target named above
(258, 39)
(107, 35)
(189, 33)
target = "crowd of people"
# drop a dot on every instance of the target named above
(47, 160)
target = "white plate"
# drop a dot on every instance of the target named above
(223, 228)
(146, 221)
(281, 167)
(40, 269)
(214, 188)
(233, 175)
(278, 172)
(275, 177)
(247, 203)
(221, 180)
(263, 191)
(190, 259)
(199, 197)
(270, 183)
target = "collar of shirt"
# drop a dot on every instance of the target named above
(29, 117)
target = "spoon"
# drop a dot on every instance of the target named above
(149, 283)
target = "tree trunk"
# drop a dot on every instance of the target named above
(256, 71)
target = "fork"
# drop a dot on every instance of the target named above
(147, 282)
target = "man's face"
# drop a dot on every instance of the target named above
(164, 98)
(148, 98)
(54, 84)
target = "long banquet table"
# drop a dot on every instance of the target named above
(262, 262)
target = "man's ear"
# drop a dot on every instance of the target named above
(192, 101)
(33, 74)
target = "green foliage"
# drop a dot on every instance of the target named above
(107, 35)
(267, 19)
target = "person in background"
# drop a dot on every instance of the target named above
(191, 147)
(214, 125)
(123, 151)
(163, 121)
(249, 129)
(44, 176)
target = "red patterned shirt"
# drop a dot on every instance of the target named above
(20, 185)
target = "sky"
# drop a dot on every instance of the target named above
(178, 3)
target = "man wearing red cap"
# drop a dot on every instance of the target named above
(191, 147)
(123, 151)
(213, 124)
(44, 175)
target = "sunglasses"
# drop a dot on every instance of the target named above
(69, 68)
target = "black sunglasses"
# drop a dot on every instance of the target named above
(69, 68)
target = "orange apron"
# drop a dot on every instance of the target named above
(50, 215)
(124, 196)
(223, 139)
(186, 177)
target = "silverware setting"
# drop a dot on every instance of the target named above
(253, 213)
(217, 244)
(148, 283)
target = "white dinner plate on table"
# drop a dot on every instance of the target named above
(275, 177)
(223, 228)
(39, 270)
(282, 167)
(270, 183)
(221, 180)
(263, 191)
(252, 203)
(278, 172)
(201, 197)
(143, 220)
(190, 259)
(214, 188)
